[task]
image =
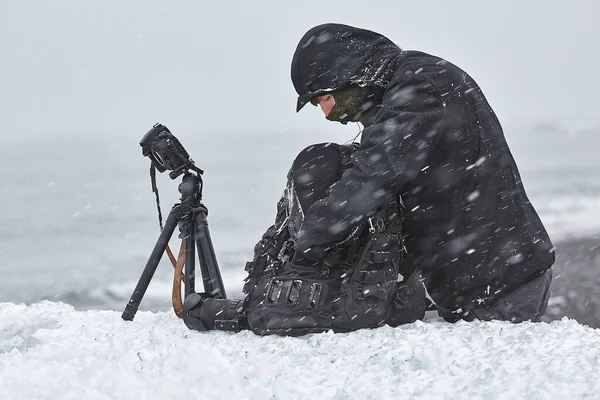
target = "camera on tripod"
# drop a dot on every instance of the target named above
(166, 153)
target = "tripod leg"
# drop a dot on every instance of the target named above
(190, 267)
(211, 275)
(150, 268)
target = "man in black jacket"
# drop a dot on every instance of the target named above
(430, 141)
(430, 136)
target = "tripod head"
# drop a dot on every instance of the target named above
(166, 152)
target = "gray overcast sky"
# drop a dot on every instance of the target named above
(118, 66)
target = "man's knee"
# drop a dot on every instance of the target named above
(316, 168)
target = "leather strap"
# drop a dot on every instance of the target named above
(178, 277)
(178, 263)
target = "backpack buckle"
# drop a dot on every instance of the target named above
(274, 291)
(315, 295)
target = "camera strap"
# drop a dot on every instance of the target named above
(155, 191)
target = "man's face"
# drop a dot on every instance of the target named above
(346, 104)
(326, 102)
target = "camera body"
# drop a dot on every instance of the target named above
(166, 152)
(163, 149)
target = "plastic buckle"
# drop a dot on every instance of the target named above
(315, 295)
(274, 291)
(286, 249)
(293, 293)
(402, 296)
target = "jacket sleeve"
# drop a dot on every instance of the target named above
(393, 151)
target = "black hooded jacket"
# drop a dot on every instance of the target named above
(435, 140)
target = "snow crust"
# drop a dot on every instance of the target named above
(50, 351)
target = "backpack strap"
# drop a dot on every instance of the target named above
(413, 284)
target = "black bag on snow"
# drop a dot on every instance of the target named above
(354, 287)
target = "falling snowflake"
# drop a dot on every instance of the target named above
(473, 196)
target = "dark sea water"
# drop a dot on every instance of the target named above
(78, 219)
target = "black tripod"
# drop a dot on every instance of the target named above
(190, 215)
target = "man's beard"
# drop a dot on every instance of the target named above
(351, 103)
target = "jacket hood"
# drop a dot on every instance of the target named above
(331, 56)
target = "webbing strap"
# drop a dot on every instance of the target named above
(415, 282)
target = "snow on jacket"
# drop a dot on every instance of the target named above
(436, 141)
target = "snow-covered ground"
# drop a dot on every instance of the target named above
(50, 351)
